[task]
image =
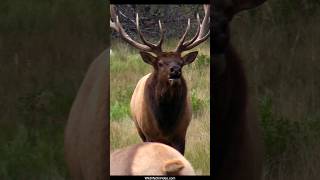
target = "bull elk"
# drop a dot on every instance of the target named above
(159, 105)
(87, 130)
(237, 143)
(154, 159)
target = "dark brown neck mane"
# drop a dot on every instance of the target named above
(165, 101)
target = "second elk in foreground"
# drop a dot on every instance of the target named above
(159, 105)
(149, 159)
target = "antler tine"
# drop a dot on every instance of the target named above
(197, 42)
(140, 33)
(156, 48)
(113, 16)
(206, 20)
(113, 26)
(200, 35)
(112, 11)
(128, 39)
(118, 27)
(197, 33)
(180, 44)
(159, 44)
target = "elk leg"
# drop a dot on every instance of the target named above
(179, 145)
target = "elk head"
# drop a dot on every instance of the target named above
(167, 65)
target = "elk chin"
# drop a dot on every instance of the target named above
(174, 81)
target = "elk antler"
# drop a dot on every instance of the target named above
(146, 46)
(200, 35)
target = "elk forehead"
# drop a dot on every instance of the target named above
(170, 57)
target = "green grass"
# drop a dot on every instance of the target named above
(32, 143)
(30, 155)
(126, 68)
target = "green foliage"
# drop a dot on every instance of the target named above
(34, 147)
(282, 135)
(198, 104)
(30, 154)
(277, 132)
(202, 61)
(119, 110)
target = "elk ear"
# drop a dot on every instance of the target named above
(189, 58)
(148, 58)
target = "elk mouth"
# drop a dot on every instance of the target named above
(174, 79)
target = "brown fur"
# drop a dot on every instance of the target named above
(86, 132)
(237, 140)
(149, 159)
(146, 115)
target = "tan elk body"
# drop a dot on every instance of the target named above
(87, 130)
(149, 159)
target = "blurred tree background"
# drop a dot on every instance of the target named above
(279, 43)
(45, 50)
(174, 19)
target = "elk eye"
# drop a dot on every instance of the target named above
(160, 64)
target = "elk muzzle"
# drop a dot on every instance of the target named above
(174, 74)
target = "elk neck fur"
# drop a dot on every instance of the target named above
(167, 101)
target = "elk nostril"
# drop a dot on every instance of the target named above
(172, 70)
(175, 71)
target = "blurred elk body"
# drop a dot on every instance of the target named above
(159, 104)
(86, 132)
(238, 146)
(155, 159)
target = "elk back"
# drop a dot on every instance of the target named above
(86, 132)
(149, 159)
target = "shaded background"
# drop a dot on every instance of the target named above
(279, 43)
(174, 18)
(45, 50)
